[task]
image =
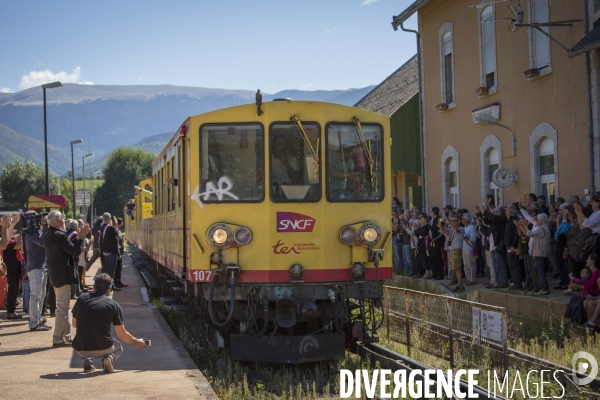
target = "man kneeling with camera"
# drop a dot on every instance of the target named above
(93, 314)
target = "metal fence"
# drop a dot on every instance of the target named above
(445, 327)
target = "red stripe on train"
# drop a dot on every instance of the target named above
(310, 276)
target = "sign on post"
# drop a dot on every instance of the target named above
(79, 198)
(492, 326)
(40, 201)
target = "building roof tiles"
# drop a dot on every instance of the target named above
(394, 91)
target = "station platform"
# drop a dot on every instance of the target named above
(33, 369)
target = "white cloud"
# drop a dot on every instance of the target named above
(307, 85)
(367, 2)
(37, 78)
(330, 30)
(6, 90)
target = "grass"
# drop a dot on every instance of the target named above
(551, 342)
(89, 184)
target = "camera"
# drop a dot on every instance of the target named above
(32, 222)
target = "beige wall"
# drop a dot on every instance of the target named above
(558, 99)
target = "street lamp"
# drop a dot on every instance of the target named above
(72, 174)
(488, 119)
(85, 205)
(47, 86)
(92, 196)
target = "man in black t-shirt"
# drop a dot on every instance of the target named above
(93, 314)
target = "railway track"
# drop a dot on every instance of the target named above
(389, 359)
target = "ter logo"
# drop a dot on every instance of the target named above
(293, 222)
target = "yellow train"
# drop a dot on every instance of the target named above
(275, 218)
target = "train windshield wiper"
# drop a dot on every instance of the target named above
(366, 146)
(314, 153)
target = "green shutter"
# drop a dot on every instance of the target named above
(406, 132)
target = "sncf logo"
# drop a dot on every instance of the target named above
(293, 222)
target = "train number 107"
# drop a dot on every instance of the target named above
(201, 276)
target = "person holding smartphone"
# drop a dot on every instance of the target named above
(93, 315)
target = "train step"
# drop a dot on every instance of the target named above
(172, 281)
(149, 279)
(167, 300)
(177, 288)
(180, 307)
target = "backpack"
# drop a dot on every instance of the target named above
(587, 242)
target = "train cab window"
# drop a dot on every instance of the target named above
(232, 163)
(295, 174)
(354, 162)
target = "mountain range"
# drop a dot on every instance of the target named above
(107, 116)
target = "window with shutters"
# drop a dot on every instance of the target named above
(451, 177)
(539, 42)
(487, 37)
(447, 64)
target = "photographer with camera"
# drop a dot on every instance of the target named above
(36, 268)
(60, 252)
(454, 233)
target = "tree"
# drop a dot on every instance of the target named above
(21, 179)
(125, 167)
(66, 189)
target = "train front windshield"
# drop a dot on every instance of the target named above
(295, 174)
(232, 163)
(354, 162)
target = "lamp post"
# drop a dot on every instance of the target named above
(73, 173)
(44, 87)
(84, 204)
(92, 196)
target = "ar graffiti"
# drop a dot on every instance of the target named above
(280, 248)
(221, 190)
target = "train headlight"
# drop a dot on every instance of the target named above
(219, 236)
(370, 234)
(242, 235)
(348, 235)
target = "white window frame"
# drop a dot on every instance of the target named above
(540, 133)
(450, 192)
(539, 11)
(447, 28)
(489, 143)
(487, 55)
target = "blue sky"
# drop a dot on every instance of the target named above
(268, 44)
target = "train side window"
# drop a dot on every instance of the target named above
(172, 183)
(294, 172)
(168, 183)
(354, 162)
(232, 163)
(161, 198)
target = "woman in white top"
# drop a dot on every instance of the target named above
(539, 246)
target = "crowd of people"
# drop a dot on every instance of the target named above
(515, 248)
(45, 264)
